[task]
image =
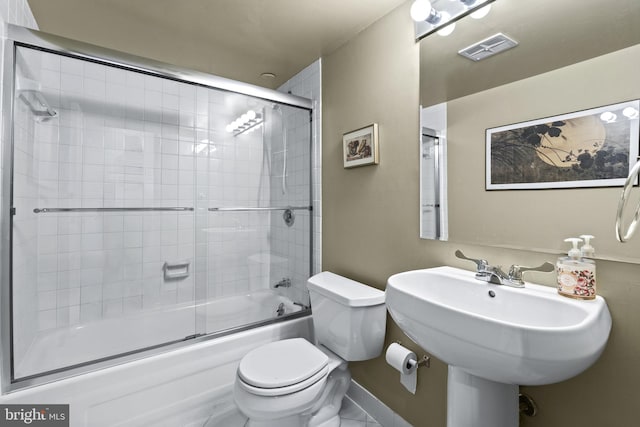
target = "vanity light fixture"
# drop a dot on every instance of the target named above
(630, 113)
(439, 16)
(447, 29)
(608, 117)
(246, 122)
(481, 13)
(421, 10)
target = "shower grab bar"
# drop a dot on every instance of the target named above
(277, 208)
(623, 237)
(159, 209)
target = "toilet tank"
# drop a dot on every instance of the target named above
(349, 317)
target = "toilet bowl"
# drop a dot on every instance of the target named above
(294, 383)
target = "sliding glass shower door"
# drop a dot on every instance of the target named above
(148, 211)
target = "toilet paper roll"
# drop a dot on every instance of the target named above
(405, 361)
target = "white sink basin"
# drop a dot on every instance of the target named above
(527, 336)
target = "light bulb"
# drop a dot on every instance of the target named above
(482, 12)
(251, 114)
(630, 113)
(420, 10)
(449, 28)
(244, 118)
(608, 117)
(229, 128)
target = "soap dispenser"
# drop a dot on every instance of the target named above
(576, 275)
(588, 252)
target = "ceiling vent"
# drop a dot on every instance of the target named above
(488, 47)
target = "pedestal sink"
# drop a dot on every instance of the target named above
(495, 338)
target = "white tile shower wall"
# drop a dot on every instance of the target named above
(288, 244)
(128, 140)
(18, 12)
(25, 238)
(117, 142)
(237, 176)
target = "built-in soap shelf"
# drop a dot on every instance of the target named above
(176, 271)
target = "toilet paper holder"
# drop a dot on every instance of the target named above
(425, 360)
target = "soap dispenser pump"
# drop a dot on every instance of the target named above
(576, 275)
(587, 250)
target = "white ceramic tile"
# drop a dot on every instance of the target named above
(47, 281)
(92, 241)
(132, 239)
(71, 66)
(69, 278)
(70, 83)
(350, 410)
(94, 88)
(47, 319)
(68, 297)
(90, 312)
(47, 300)
(91, 276)
(90, 294)
(132, 304)
(112, 308)
(113, 290)
(93, 156)
(352, 423)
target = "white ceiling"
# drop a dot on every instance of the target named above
(239, 39)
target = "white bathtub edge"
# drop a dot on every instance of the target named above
(140, 391)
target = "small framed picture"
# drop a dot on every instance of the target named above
(360, 147)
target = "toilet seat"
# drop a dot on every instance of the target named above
(282, 367)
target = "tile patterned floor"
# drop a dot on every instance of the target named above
(351, 415)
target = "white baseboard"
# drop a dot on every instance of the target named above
(373, 406)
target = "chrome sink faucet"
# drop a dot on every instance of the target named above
(495, 275)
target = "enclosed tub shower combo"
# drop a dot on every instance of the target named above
(144, 208)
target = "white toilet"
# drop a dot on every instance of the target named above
(293, 383)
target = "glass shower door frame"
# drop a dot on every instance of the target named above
(18, 36)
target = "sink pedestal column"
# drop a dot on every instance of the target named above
(476, 402)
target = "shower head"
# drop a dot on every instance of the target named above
(30, 92)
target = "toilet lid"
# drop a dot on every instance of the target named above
(281, 363)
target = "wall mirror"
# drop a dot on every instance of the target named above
(571, 56)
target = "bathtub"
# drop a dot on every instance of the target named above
(183, 387)
(103, 339)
